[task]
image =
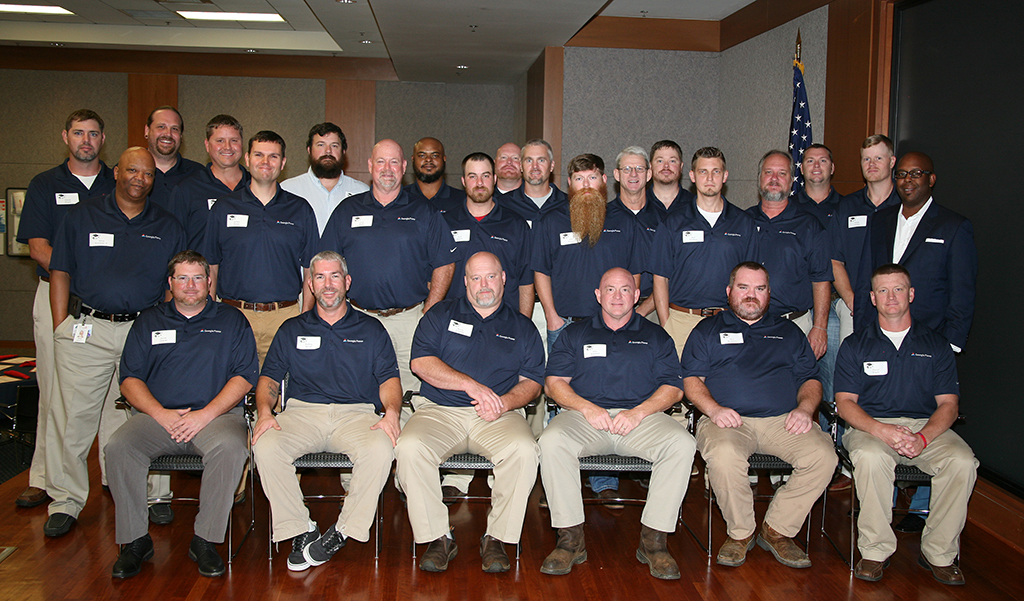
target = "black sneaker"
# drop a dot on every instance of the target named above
(322, 549)
(296, 562)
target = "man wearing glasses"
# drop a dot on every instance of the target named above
(633, 171)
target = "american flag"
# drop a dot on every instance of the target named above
(800, 128)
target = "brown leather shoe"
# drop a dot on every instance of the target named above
(439, 552)
(782, 547)
(950, 574)
(32, 497)
(734, 552)
(840, 482)
(492, 551)
(450, 494)
(607, 497)
(570, 550)
(653, 551)
(870, 570)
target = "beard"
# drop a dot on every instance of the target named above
(587, 208)
(429, 178)
(327, 304)
(326, 167)
(774, 196)
(752, 311)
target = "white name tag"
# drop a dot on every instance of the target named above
(876, 368)
(857, 221)
(210, 202)
(80, 332)
(238, 221)
(935, 240)
(96, 239)
(529, 223)
(460, 235)
(164, 337)
(66, 198)
(731, 337)
(566, 238)
(307, 343)
(594, 350)
(693, 236)
(462, 329)
(362, 220)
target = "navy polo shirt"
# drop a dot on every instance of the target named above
(342, 363)
(794, 249)
(683, 198)
(116, 264)
(647, 220)
(193, 197)
(575, 268)
(446, 199)
(823, 210)
(697, 258)
(261, 249)
(755, 370)
(186, 362)
(164, 182)
(502, 232)
(391, 250)
(50, 194)
(893, 382)
(518, 201)
(615, 369)
(849, 227)
(494, 351)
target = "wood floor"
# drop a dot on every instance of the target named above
(78, 565)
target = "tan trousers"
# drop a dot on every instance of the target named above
(726, 451)
(679, 326)
(658, 439)
(845, 320)
(318, 427)
(953, 468)
(434, 434)
(265, 325)
(42, 332)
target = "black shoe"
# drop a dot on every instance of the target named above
(296, 561)
(204, 553)
(322, 549)
(129, 563)
(161, 513)
(450, 494)
(58, 525)
(913, 522)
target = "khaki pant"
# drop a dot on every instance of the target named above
(658, 439)
(319, 427)
(42, 332)
(953, 468)
(679, 326)
(726, 451)
(845, 320)
(265, 325)
(434, 434)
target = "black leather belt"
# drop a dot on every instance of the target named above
(705, 312)
(114, 317)
(384, 312)
(794, 315)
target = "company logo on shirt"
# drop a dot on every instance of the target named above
(210, 331)
(925, 355)
(503, 337)
(637, 342)
(767, 337)
(612, 231)
(149, 237)
(788, 233)
(406, 219)
(499, 238)
(733, 234)
(352, 340)
(285, 223)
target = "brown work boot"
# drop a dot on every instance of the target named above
(782, 547)
(439, 552)
(654, 552)
(870, 570)
(734, 552)
(570, 550)
(492, 551)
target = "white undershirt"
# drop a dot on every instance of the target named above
(86, 180)
(712, 218)
(540, 201)
(896, 337)
(905, 228)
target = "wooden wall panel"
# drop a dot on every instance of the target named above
(998, 512)
(352, 106)
(146, 91)
(544, 87)
(648, 34)
(760, 16)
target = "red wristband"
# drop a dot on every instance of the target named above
(923, 439)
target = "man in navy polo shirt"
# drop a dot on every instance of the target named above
(897, 389)
(109, 262)
(615, 374)
(695, 248)
(508, 169)
(257, 241)
(816, 195)
(755, 379)
(428, 161)
(50, 194)
(666, 192)
(400, 251)
(537, 195)
(481, 362)
(793, 247)
(574, 244)
(193, 197)
(164, 128)
(186, 365)
(341, 372)
(632, 172)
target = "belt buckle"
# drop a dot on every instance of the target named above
(707, 312)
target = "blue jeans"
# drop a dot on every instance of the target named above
(919, 502)
(827, 366)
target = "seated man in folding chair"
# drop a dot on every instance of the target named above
(186, 366)
(755, 379)
(615, 374)
(897, 389)
(342, 373)
(481, 362)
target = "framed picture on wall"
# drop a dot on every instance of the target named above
(15, 203)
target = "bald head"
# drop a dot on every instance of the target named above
(508, 166)
(134, 175)
(485, 282)
(387, 164)
(617, 294)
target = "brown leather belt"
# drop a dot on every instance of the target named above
(706, 312)
(384, 312)
(45, 278)
(259, 307)
(794, 315)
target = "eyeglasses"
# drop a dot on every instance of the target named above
(914, 174)
(184, 279)
(629, 170)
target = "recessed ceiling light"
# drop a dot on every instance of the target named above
(345, 1)
(462, 66)
(34, 9)
(367, 42)
(57, 44)
(252, 51)
(222, 16)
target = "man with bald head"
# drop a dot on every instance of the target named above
(428, 161)
(109, 263)
(508, 169)
(481, 362)
(400, 252)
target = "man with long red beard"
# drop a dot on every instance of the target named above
(576, 244)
